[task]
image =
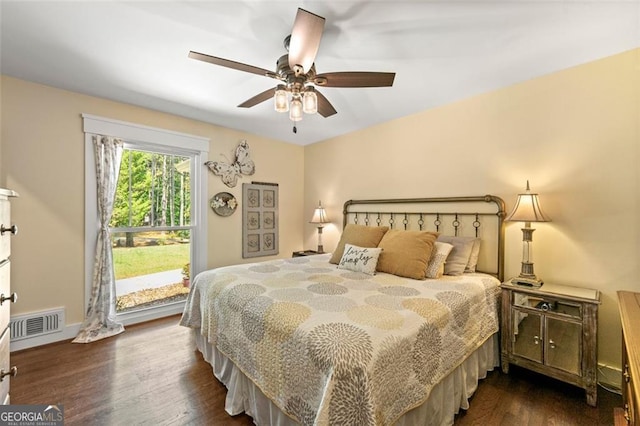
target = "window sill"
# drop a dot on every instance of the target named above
(148, 314)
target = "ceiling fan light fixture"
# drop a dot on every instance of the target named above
(297, 70)
(310, 101)
(281, 101)
(295, 111)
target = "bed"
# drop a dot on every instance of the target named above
(327, 340)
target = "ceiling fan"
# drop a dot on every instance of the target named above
(297, 73)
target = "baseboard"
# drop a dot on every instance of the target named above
(610, 377)
(68, 332)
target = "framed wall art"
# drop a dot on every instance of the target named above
(259, 219)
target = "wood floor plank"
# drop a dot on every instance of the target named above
(152, 374)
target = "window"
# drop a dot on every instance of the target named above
(150, 229)
(158, 224)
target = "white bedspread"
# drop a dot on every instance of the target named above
(330, 346)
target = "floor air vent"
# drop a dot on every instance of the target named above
(36, 324)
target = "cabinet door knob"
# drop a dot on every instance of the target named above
(536, 340)
(625, 374)
(13, 298)
(552, 344)
(627, 416)
(13, 372)
(13, 229)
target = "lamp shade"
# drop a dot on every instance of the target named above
(281, 102)
(310, 101)
(319, 215)
(295, 109)
(527, 209)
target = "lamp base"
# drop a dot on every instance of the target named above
(529, 282)
(320, 246)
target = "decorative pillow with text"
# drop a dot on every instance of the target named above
(360, 259)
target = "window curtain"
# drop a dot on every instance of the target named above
(100, 321)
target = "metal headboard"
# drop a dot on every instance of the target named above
(448, 215)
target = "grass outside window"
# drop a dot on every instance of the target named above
(150, 253)
(136, 261)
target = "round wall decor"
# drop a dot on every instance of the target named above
(223, 203)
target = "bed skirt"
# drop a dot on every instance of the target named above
(445, 401)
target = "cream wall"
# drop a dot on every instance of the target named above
(43, 160)
(574, 134)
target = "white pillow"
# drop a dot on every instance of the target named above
(435, 268)
(360, 259)
(460, 254)
(473, 257)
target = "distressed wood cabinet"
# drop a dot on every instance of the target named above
(552, 330)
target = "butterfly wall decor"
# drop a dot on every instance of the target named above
(230, 171)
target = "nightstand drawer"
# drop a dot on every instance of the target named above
(548, 304)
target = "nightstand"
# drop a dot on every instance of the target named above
(552, 330)
(304, 253)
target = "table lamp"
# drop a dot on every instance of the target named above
(527, 210)
(319, 218)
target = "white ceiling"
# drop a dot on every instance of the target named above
(442, 51)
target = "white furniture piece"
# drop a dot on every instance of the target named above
(552, 330)
(7, 230)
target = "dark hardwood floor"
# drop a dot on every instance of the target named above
(152, 374)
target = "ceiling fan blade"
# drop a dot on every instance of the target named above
(355, 79)
(325, 108)
(230, 64)
(261, 97)
(305, 40)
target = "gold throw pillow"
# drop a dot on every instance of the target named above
(406, 253)
(358, 235)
